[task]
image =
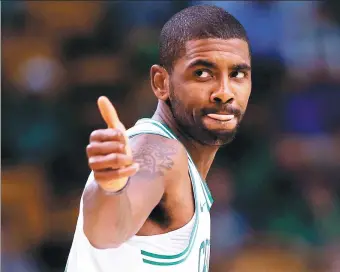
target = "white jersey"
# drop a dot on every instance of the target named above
(184, 249)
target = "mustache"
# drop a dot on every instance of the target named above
(225, 108)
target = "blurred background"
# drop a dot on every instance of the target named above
(276, 187)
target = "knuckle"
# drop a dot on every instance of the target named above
(116, 147)
(121, 147)
(117, 174)
(119, 135)
(112, 146)
(91, 161)
(89, 148)
(112, 131)
(94, 134)
(114, 158)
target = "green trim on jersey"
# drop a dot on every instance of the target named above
(164, 260)
(169, 132)
(186, 252)
(207, 191)
(163, 264)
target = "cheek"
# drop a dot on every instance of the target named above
(186, 96)
(242, 95)
(192, 96)
(200, 92)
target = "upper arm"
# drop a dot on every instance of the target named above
(160, 159)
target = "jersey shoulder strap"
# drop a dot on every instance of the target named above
(149, 126)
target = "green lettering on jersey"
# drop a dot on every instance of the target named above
(204, 256)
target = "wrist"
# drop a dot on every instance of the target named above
(113, 191)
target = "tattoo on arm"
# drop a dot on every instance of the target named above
(154, 158)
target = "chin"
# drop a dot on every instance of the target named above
(224, 141)
(218, 139)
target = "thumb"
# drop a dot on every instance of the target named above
(109, 113)
(110, 116)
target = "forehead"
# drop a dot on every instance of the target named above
(234, 50)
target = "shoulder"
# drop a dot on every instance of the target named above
(158, 155)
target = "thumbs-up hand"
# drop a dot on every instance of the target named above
(109, 154)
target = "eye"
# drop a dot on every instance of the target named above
(238, 74)
(202, 74)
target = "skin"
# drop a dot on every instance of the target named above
(212, 76)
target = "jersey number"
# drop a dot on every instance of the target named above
(204, 255)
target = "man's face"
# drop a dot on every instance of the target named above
(209, 89)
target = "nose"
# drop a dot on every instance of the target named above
(223, 95)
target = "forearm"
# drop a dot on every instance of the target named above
(107, 217)
(110, 220)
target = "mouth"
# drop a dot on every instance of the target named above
(221, 121)
(221, 116)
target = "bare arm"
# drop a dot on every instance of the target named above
(110, 220)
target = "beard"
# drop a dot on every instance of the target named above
(192, 125)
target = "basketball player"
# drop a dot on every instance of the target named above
(149, 210)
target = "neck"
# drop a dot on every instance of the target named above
(202, 155)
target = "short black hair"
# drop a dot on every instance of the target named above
(193, 23)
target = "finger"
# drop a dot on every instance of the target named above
(109, 113)
(104, 148)
(103, 135)
(108, 175)
(112, 161)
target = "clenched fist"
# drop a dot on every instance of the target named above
(109, 154)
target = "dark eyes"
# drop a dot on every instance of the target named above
(204, 74)
(238, 74)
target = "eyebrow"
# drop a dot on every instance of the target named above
(241, 67)
(201, 62)
(209, 64)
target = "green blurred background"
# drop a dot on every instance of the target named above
(276, 187)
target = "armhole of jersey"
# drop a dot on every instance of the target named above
(166, 130)
(168, 260)
(207, 194)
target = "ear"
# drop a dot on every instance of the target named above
(160, 82)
